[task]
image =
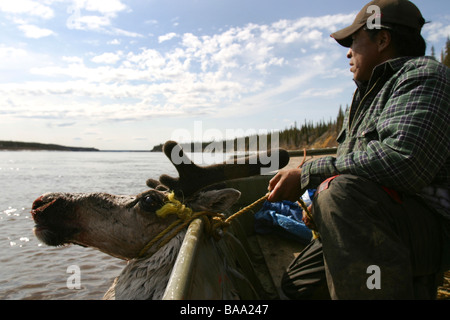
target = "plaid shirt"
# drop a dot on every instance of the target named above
(396, 132)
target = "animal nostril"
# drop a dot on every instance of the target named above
(37, 203)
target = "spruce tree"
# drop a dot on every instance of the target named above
(445, 57)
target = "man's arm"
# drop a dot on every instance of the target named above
(413, 142)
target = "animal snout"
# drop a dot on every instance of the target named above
(39, 205)
(52, 217)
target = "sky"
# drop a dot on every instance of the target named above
(128, 75)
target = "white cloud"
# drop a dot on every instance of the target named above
(29, 7)
(106, 11)
(327, 22)
(17, 60)
(7, 53)
(167, 37)
(35, 32)
(314, 92)
(246, 67)
(72, 59)
(107, 7)
(88, 22)
(120, 32)
(107, 57)
(23, 10)
(436, 31)
(114, 42)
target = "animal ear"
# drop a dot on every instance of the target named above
(152, 183)
(216, 200)
(155, 184)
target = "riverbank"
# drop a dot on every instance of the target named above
(34, 146)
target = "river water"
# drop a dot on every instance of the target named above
(32, 270)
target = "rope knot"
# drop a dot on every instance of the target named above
(173, 206)
(215, 223)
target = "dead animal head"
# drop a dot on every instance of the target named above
(121, 225)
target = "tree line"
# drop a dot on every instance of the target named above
(299, 137)
(445, 53)
(291, 138)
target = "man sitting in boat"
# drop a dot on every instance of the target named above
(381, 209)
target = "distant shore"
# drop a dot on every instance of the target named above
(34, 146)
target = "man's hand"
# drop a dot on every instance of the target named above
(285, 185)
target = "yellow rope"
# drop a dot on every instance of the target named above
(158, 237)
(247, 208)
(173, 206)
(307, 216)
(213, 221)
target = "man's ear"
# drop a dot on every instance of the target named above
(383, 40)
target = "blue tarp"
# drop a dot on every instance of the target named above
(284, 218)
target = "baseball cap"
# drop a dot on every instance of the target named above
(397, 12)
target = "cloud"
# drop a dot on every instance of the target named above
(28, 7)
(32, 31)
(314, 92)
(8, 53)
(106, 7)
(66, 124)
(250, 67)
(121, 32)
(107, 58)
(95, 23)
(114, 42)
(151, 22)
(100, 16)
(436, 31)
(16, 61)
(23, 10)
(167, 37)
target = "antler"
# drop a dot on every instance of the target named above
(193, 177)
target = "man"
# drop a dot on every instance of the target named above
(381, 207)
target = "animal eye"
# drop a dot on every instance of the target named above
(150, 203)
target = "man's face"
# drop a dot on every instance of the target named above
(363, 55)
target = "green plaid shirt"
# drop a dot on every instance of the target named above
(396, 132)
